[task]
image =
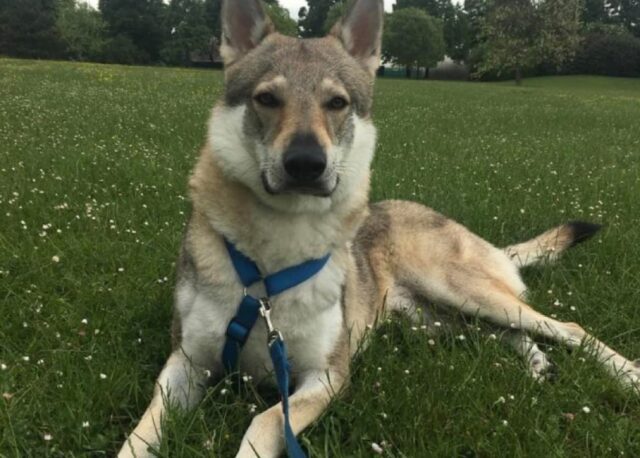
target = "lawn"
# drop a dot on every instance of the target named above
(93, 167)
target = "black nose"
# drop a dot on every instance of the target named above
(304, 161)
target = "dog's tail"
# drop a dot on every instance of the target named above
(550, 245)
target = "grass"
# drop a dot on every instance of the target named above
(93, 168)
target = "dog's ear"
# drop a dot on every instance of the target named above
(360, 31)
(244, 25)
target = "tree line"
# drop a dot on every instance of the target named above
(511, 38)
(119, 31)
(494, 38)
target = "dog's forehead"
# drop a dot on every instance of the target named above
(307, 62)
(303, 63)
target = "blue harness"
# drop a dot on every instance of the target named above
(248, 311)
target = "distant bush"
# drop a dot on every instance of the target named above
(81, 29)
(477, 55)
(608, 50)
(449, 70)
(122, 50)
(28, 29)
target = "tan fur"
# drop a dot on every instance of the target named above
(225, 204)
(393, 256)
(442, 262)
(546, 247)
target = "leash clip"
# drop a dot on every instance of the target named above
(265, 310)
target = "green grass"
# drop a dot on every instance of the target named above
(596, 86)
(93, 167)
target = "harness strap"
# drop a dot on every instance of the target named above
(293, 276)
(250, 308)
(240, 326)
(278, 351)
(238, 331)
(245, 267)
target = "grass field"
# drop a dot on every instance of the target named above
(93, 168)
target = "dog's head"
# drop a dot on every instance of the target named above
(294, 123)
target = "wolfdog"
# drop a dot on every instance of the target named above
(283, 178)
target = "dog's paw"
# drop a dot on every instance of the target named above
(249, 451)
(629, 376)
(540, 368)
(548, 374)
(136, 447)
(246, 453)
(127, 452)
(264, 437)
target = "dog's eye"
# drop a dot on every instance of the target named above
(267, 99)
(337, 103)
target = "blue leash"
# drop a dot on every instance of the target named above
(248, 311)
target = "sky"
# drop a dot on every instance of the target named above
(292, 5)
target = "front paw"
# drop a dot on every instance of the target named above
(136, 447)
(264, 438)
(629, 376)
(255, 450)
(246, 451)
(129, 451)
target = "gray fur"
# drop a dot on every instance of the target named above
(372, 233)
(304, 63)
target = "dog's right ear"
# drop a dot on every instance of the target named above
(244, 25)
(360, 31)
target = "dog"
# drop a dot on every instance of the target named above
(284, 176)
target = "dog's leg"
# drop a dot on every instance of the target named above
(479, 280)
(180, 383)
(573, 335)
(264, 438)
(475, 292)
(537, 361)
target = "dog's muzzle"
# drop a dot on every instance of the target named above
(305, 167)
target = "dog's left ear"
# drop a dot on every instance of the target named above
(244, 25)
(360, 31)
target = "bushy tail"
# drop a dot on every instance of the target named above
(549, 245)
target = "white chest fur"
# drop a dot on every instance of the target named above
(309, 316)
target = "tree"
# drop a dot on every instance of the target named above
(456, 32)
(136, 23)
(333, 16)
(313, 18)
(510, 31)
(81, 29)
(279, 15)
(455, 27)
(627, 13)
(596, 11)
(28, 29)
(520, 34)
(431, 7)
(188, 31)
(475, 12)
(609, 50)
(614, 12)
(412, 37)
(281, 19)
(560, 30)
(212, 16)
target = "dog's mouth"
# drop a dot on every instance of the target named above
(318, 188)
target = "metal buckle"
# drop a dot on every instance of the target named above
(265, 310)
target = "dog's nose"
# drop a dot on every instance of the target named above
(305, 160)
